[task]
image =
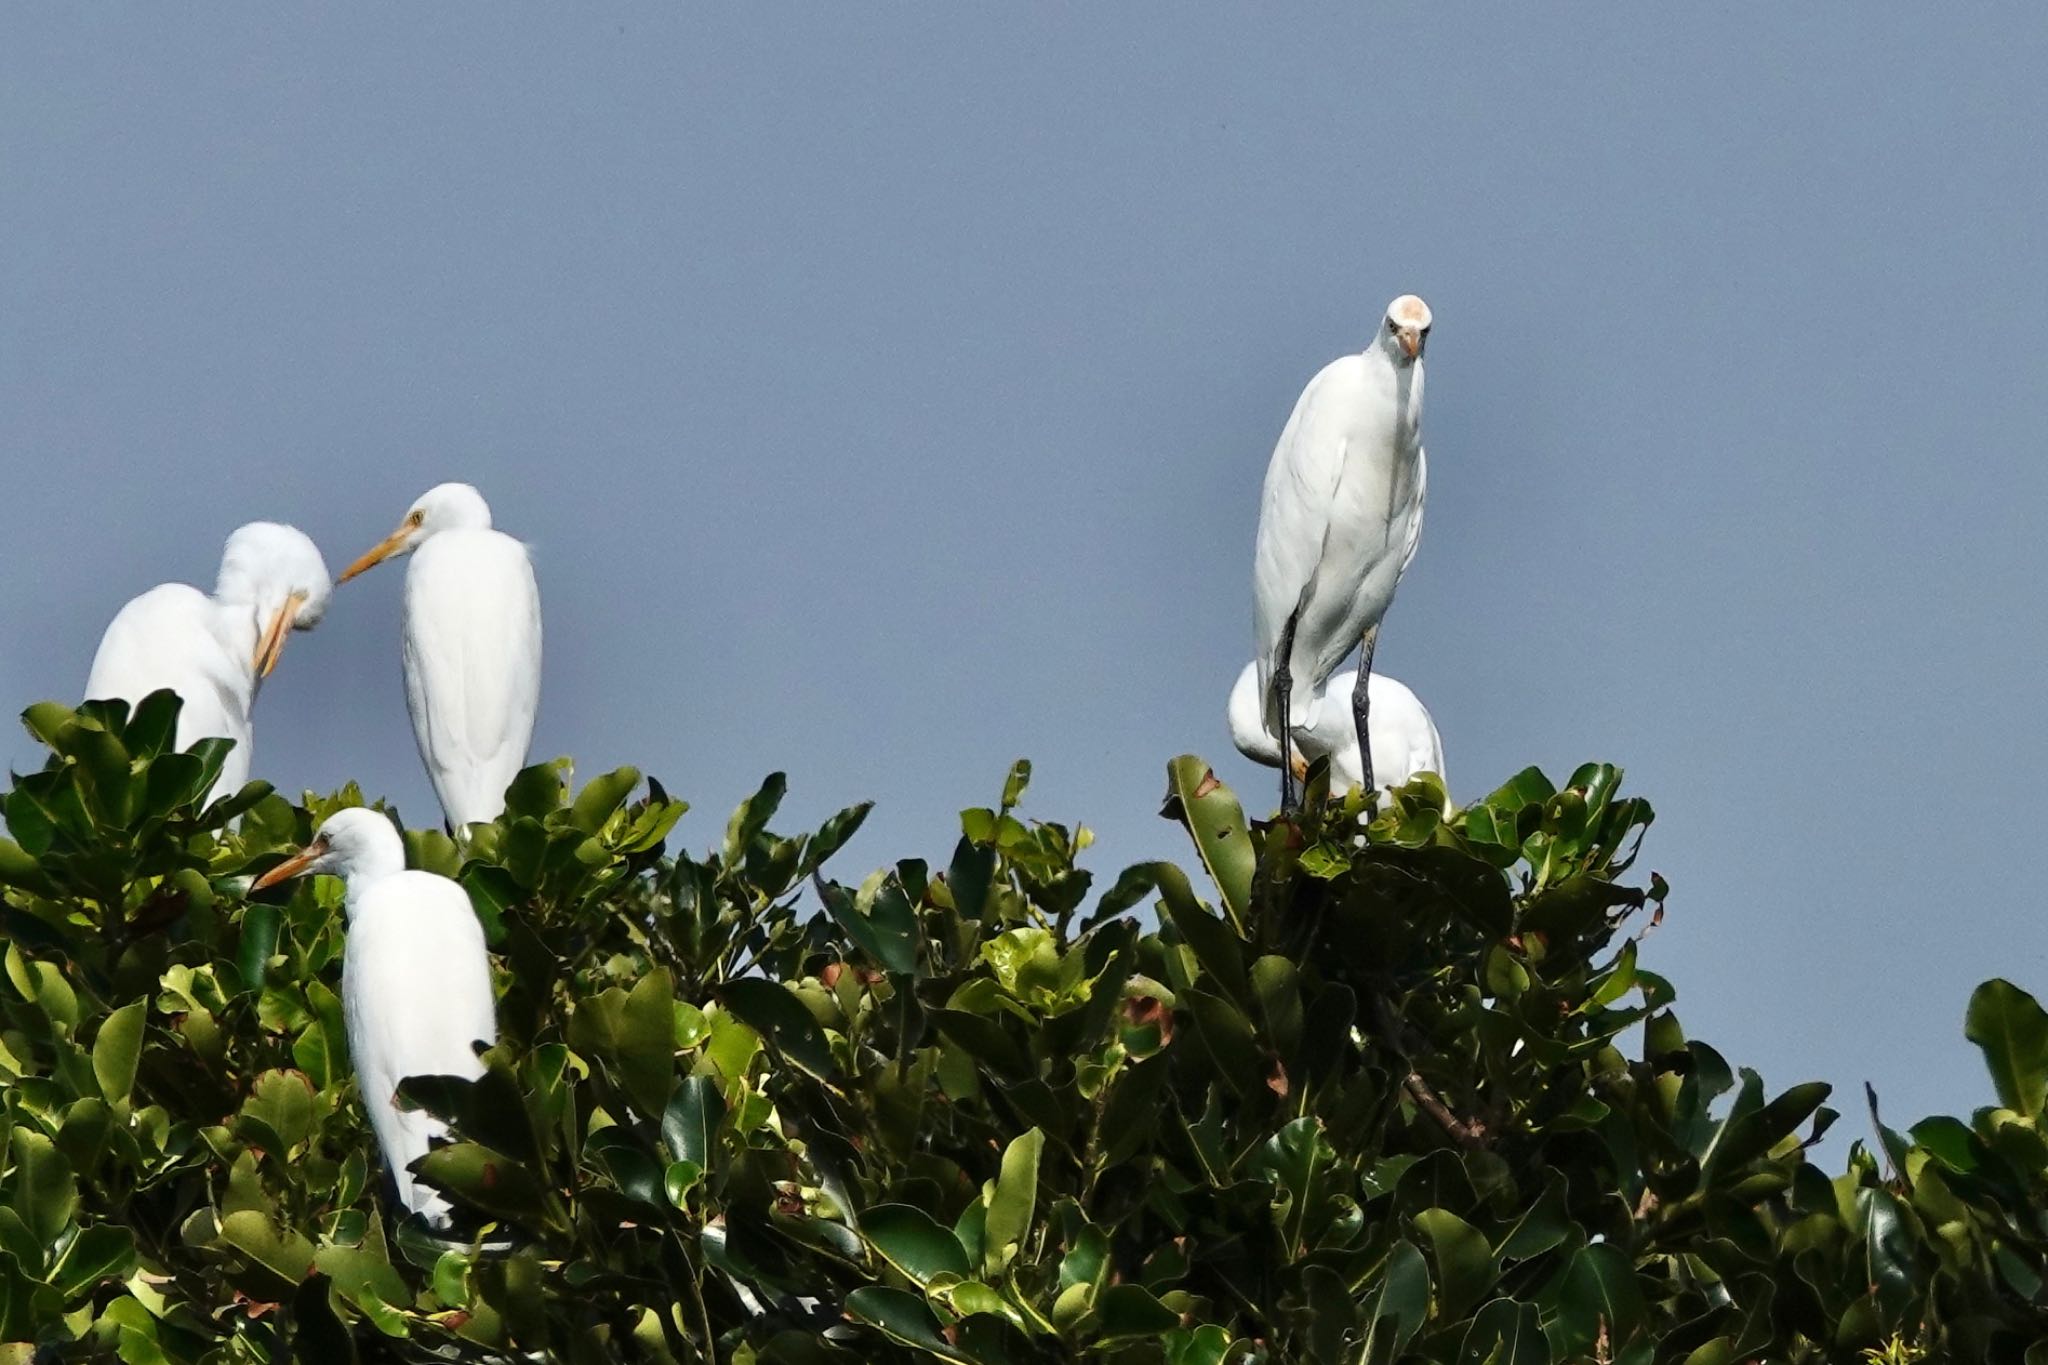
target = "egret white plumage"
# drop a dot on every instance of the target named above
(471, 646)
(1404, 740)
(214, 652)
(415, 983)
(1338, 522)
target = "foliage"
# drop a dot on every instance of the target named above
(1398, 1092)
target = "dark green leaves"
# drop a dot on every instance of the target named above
(783, 1023)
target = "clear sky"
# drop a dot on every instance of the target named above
(885, 393)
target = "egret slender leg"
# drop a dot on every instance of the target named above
(1359, 705)
(1283, 684)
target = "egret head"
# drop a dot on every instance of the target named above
(444, 507)
(1406, 330)
(277, 572)
(350, 843)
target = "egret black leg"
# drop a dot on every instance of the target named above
(1283, 684)
(1360, 706)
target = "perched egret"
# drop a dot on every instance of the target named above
(215, 652)
(1338, 523)
(1404, 739)
(415, 983)
(471, 647)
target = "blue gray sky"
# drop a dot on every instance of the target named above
(885, 394)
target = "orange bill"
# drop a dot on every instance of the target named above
(270, 648)
(378, 553)
(291, 867)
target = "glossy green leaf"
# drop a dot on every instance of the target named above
(1505, 1333)
(903, 1318)
(689, 1126)
(117, 1050)
(782, 1021)
(910, 1240)
(1015, 1200)
(646, 1046)
(1465, 1268)
(2011, 1029)
(1215, 821)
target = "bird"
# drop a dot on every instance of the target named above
(1339, 520)
(470, 645)
(215, 651)
(415, 983)
(1404, 738)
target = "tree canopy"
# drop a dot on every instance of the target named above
(1377, 1085)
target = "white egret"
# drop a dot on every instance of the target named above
(214, 652)
(415, 983)
(1404, 738)
(471, 647)
(1338, 523)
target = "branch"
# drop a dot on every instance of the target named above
(1471, 1136)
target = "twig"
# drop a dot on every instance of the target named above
(1471, 1136)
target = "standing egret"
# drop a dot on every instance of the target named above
(1404, 739)
(1338, 523)
(415, 983)
(215, 652)
(471, 647)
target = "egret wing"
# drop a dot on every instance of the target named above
(472, 650)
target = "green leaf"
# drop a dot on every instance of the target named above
(967, 877)
(1214, 819)
(887, 932)
(536, 791)
(43, 1193)
(689, 1127)
(1015, 1199)
(2010, 1028)
(1599, 1294)
(902, 1316)
(752, 817)
(285, 1254)
(99, 1253)
(1016, 782)
(600, 797)
(1216, 945)
(1505, 1333)
(260, 924)
(117, 1050)
(909, 1239)
(833, 836)
(279, 1113)
(1465, 1267)
(782, 1021)
(489, 1180)
(647, 1041)
(1277, 986)
(1131, 1310)
(1400, 1302)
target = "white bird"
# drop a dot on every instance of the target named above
(214, 652)
(471, 647)
(1338, 523)
(415, 983)
(1404, 738)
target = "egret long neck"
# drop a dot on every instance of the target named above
(235, 626)
(370, 865)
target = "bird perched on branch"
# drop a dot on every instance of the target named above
(1404, 738)
(215, 652)
(415, 983)
(1338, 522)
(471, 643)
